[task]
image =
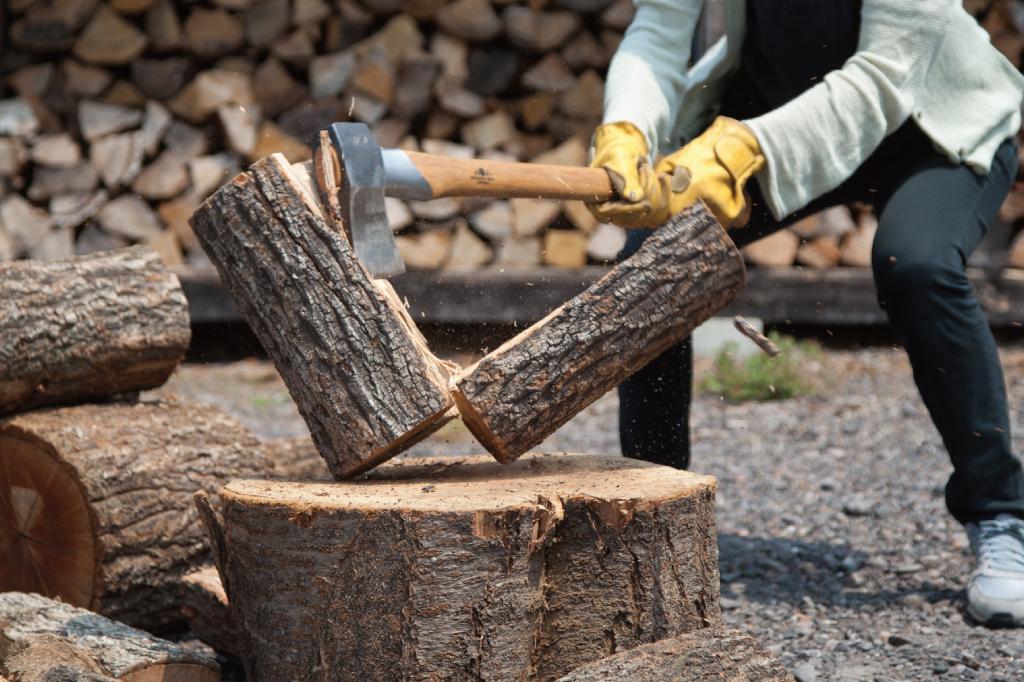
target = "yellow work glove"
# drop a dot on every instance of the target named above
(713, 167)
(621, 149)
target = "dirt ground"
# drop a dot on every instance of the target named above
(836, 550)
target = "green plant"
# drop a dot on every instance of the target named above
(759, 377)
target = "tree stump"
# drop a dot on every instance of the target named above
(449, 568)
(358, 369)
(521, 392)
(709, 654)
(88, 327)
(96, 501)
(46, 640)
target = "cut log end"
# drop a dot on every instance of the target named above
(47, 541)
(475, 483)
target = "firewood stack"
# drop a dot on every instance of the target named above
(119, 117)
(96, 486)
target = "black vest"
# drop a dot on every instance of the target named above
(790, 45)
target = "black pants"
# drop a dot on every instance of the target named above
(932, 215)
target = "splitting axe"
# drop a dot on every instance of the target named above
(365, 174)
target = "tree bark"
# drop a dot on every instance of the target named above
(524, 390)
(208, 612)
(709, 654)
(96, 501)
(87, 327)
(448, 568)
(358, 369)
(42, 639)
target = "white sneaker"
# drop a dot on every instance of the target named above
(995, 590)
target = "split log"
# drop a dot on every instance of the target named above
(96, 501)
(709, 654)
(358, 369)
(523, 391)
(450, 568)
(88, 327)
(777, 250)
(42, 639)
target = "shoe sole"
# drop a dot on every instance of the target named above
(996, 620)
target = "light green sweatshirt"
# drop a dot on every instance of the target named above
(926, 59)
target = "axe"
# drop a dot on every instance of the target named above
(348, 156)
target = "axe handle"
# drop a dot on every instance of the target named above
(450, 177)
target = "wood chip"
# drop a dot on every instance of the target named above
(760, 340)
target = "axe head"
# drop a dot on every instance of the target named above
(362, 198)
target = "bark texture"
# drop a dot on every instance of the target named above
(88, 327)
(709, 654)
(96, 501)
(520, 393)
(357, 368)
(46, 640)
(450, 568)
(207, 609)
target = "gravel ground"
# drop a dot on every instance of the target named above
(836, 550)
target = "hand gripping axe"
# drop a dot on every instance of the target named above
(369, 173)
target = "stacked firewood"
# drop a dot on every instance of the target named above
(96, 486)
(119, 117)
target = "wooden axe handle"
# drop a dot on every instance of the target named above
(451, 177)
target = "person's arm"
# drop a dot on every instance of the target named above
(817, 140)
(647, 75)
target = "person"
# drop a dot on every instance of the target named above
(903, 104)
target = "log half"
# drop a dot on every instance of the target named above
(358, 369)
(705, 655)
(450, 568)
(96, 501)
(42, 639)
(521, 392)
(84, 328)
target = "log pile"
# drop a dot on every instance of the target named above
(96, 495)
(117, 119)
